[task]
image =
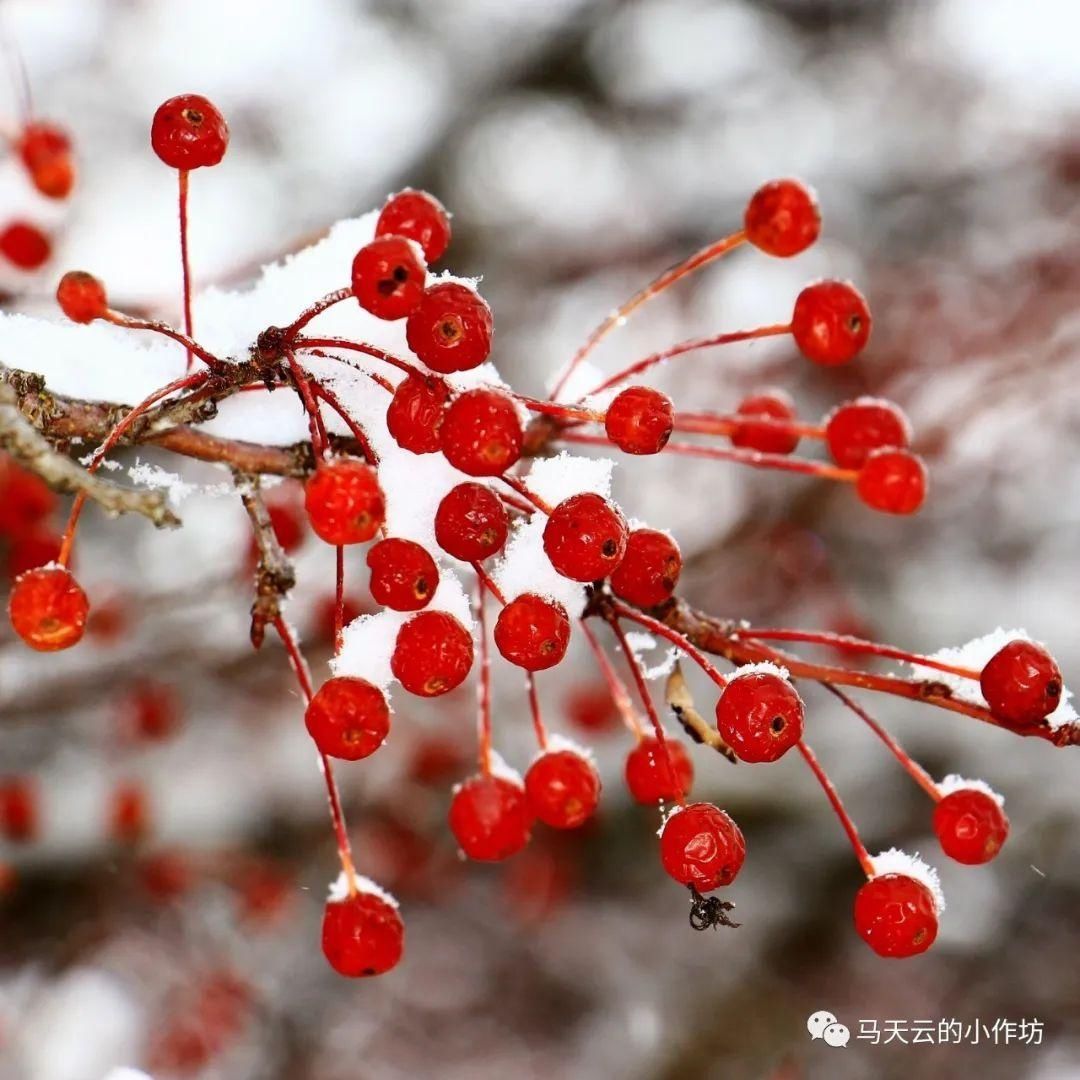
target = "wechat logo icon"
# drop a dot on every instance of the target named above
(823, 1025)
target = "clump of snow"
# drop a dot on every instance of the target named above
(952, 783)
(895, 861)
(557, 744)
(525, 567)
(974, 655)
(762, 667)
(339, 889)
(666, 815)
(499, 768)
(367, 645)
(557, 478)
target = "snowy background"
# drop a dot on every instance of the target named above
(582, 146)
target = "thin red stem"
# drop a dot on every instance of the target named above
(691, 345)
(534, 708)
(727, 424)
(519, 486)
(647, 701)
(213, 362)
(319, 441)
(317, 308)
(483, 689)
(487, 582)
(838, 807)
(563, 412)
(754, 458)
(516, 504)
(856, 645)
(358, 433)
(337, 815)
(111, 440)
(676, 639)
(668, 278)
(360, 347)
(615, 685)
(185, 261)
(911, 767)
(339, 597)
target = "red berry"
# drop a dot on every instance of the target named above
(481, 433)
(362, 935)
(31, 549)
(640, 420)
(81, 296)
(490, 818)
(46, 152)
(432, 655)
(19, 817)
(419, 217)
(701, 846)
(648, 777)
(450, 329)
(970, 825)
(388, 277)
(348, 718)
(151, 711)
(188, 132)
(585, 537)
(415, 415)
(471, 523)
(893, 481)
(649, 570)
(563, 789)
(760, 716)
(764, 437)
(25, 246)
(590, 707)
(856, 428)
(128, 813)
(896, 915)
(24, 498)
(403, 575)
(532, 632)
(48, 609)
(1022, 684)
(831, 322)
(344, 502)
(782, 218)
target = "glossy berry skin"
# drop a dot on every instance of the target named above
(649, 570)
(640, 420)
(532, 632)
(25, 246)
(782, 218)
(764, 437)
(344, 502)
(471, 523)
(45, 150)
(831, 322)
(760, 716)
(188, 132)
(362, 935)
(19, 817)
(481, 433)
(896, 916)
(648, 778)
(701, 846)
(490, 818)
(404, 576)
(415, 415)
(417, 216)
(892, 481)
(348, 718)
(432, 655)
(562, 788)
(585, 537)
(48, 609)
(450, 329)
(857, 428)
(388, 277)
(970, 825)
(81, 296)
(1022, 684)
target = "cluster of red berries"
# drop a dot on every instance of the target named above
(44, 150)
(627, 572)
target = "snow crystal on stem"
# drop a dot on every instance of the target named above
(498, 767)
(895, 861)
(560, 743)
(339, 889)
(952, 783)
(974, 655)
(762, 667)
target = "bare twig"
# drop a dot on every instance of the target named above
(680, 701)
(274, 574)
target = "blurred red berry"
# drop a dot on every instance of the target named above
(128, 816)
(45, 150)
(490, 818)
(25, 246)
(30, 550)
(650, 780)
(892, 481)
(562, 788)
(25, 499)
(19, 813)
(765, 437)
(857, 428)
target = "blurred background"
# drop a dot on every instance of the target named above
(166, 849)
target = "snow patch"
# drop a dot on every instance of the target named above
(952, 783)
(339, 889)
(895, 861)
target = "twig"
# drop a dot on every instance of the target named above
(274, 574)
